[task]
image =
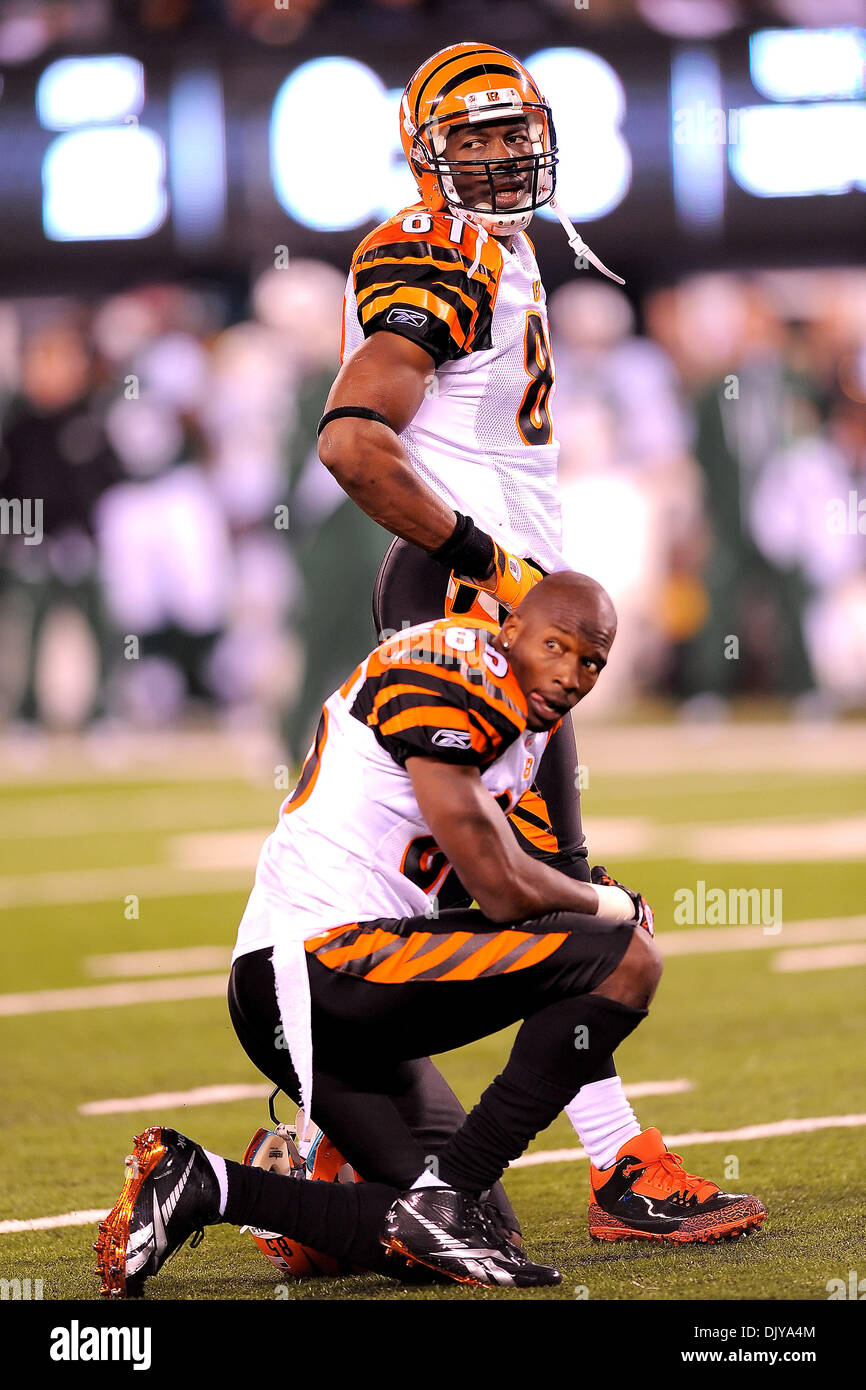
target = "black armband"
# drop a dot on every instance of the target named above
(467, 551)
(359, 411)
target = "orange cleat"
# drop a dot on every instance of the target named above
(648, 1195)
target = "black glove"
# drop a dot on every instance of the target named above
(643, 913)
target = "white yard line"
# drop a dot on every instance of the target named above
(699, 941)
(172, 961)
(171, 808)
(223, 861)
(818, 958)
(50, 1223)
(49, 1001)
(664, 749)
(778, 1130)
(213, 849)
(60, 888)
(621, 837)
(219, 1095)
(200, 1095)
(782, 842)
(122, 755)
(636, 1089)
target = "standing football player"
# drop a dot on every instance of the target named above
(439, 427)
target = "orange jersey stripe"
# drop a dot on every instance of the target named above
(365, 945)
(315, 943)
(425, 299)
(349, 682)
(504, 707)
(390, 692)
(550, 942)
(542, 837)
(488, 728)
(310, 770)
(400, 967)
(487, 955)
(391, 286)
(486, 283)
(432, 716)
(490, 260)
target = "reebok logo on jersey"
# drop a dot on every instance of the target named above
(452, 738)
(414, 316)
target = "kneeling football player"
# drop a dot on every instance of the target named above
(342, 976)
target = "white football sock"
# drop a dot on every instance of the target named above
(427, 1179)
(603, 1119)
(221, 1174)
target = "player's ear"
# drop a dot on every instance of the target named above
(509, 631)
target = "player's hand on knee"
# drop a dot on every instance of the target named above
(644, 916)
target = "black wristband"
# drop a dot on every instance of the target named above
(359, 411)
(467, 551)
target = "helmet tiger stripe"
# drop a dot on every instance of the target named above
(475, 83)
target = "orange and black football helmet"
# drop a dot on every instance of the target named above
(277, 1151)
(471, 83)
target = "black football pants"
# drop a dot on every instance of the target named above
(387, 994)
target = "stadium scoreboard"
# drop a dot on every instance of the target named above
(689, 153)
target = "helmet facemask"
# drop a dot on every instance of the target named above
(486, 208)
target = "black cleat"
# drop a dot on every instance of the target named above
(169, 1194)
(447, 1230)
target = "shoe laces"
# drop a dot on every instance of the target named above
(668, 1174)
(496, 1235)
(197, 1238)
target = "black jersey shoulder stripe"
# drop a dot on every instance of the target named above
(506, 730)
(387, 272)
(424, 251)
(422, 672)
(434, 337)
(454, 289)
(490, 721)
(464, 688)
(465, 314)
(426, 655)
(443, 340)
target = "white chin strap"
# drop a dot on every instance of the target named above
(507, 223)
(579, 246)
(499, 224)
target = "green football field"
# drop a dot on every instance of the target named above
(752, 1060)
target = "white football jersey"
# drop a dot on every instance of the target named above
(483, 437)
(351, 844)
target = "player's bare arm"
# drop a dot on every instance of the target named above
(557, 660)
(388, 374)
(472, 831)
